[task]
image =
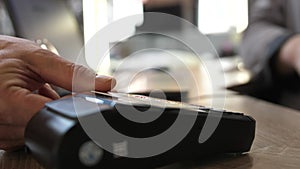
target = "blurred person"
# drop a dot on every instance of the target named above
(271, 50)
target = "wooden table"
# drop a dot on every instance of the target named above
(276, 144)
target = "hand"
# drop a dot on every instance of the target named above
(289, 56)
(25, 71)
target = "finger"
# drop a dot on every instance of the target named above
(11, 133)
(37, 102)
(24, 105)
(47, 91)
(60, 72)
(11, 145)
(15, 72)
(145, 1)
(104, 83)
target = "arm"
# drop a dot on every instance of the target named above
(266, 33)
(288, 59)
(25, 70)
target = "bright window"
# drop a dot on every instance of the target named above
(219, 16)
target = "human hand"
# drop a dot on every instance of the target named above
(25, 71)
(289, 56)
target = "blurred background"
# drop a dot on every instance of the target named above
(221, 21)
(65, 25)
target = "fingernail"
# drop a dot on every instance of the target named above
(109, 79)
(104, 77)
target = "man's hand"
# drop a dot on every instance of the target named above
(26, 70)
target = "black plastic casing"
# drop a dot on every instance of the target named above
(54, 136)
